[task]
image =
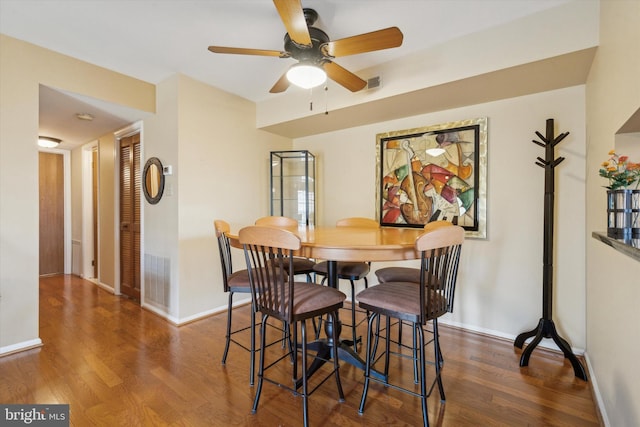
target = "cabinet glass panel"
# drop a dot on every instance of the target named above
(293, 185)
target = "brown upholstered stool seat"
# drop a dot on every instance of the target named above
(407, 274)
(400, 300)
(309, 298)
(398, 274)
(239, 282)
(346, 270)
(303, 265)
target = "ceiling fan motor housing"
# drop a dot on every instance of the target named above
(309, 54)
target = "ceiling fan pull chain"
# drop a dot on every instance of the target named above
(310, 99)
(326, 109)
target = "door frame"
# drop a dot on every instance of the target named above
(66, 165)
(119, 134)
(88, 236)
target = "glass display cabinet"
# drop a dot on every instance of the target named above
(293, 185)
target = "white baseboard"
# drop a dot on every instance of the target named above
(22, 346)
(547, 344)
(171, 319)
(101, 285)
(181, 321)
(596, 392)
(195, 317)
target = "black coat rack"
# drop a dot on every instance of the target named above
(546, 328)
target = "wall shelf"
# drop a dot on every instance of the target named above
(628, 247)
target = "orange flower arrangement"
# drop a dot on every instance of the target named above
(620, 172)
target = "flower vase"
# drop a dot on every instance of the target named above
(623, 214)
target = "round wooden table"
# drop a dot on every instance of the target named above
(354, 243)
(349, 244)
(359, 244)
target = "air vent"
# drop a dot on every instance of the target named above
(373, 82)
(157, 275)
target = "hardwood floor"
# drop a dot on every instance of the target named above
(119, 365)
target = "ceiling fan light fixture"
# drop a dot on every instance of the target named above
(306, 76)
(84, 116)
(48, 142)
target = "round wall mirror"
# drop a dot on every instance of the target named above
(153, 180)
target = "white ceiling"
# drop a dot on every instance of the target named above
(154, 39)
(58, 117)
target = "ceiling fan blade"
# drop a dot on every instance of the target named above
(293, 18)
(243, 51)
(344, 77)
(368, 42)
(281, 85)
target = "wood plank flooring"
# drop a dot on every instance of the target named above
(119, 365)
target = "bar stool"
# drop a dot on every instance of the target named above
(432, 298)
(268, 252)
(406, 274)
(234, 282)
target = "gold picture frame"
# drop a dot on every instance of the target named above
(448, 179)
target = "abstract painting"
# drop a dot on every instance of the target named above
(433, 173)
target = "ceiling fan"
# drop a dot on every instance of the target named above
(314, 50)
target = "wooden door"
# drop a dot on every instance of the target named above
(51, 189)
(130, 186)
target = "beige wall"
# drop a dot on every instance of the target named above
(160, 136)
(500, 286)
(224, 173)
(23, 67)
(220, 170)
(18, 203)
(613, 279)
(107, 178)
